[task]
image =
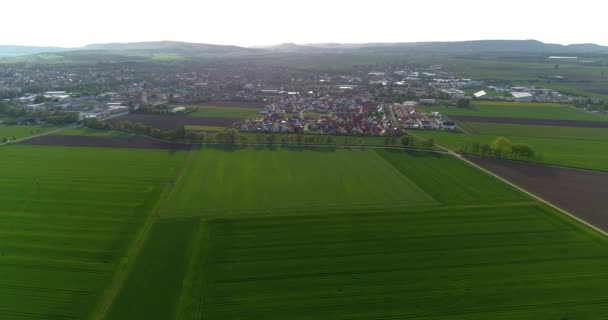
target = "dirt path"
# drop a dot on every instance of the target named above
(126, 264)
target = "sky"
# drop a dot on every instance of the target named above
(73, 23)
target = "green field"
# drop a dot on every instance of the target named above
(223, 112)
(518, 110)
(284, 233)
(67, 216)
(425, 237)
(22, 131)
(257, 180)
(572, 147)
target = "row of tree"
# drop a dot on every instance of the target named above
(233, 136)
(501, 147)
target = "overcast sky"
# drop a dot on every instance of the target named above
(263, 22)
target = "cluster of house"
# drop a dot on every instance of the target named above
(356, 114)
(410, 118)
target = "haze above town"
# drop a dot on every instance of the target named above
(71, 23)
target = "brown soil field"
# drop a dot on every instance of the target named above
(171, 121)
(582, 193)
(541, 122)
(131, 142)
(238, 104)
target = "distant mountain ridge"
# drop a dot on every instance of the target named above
(194, 50)
(10, 50)
(533, 46)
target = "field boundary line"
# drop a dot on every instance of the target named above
(521, 189)
(124, 267)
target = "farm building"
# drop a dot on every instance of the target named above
(522, 96)
(449, 125)
(178, 110)
(428, 101)
(480, 94)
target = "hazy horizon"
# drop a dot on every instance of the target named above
(70, 23)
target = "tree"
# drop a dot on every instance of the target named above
(522, 151)
(271, 138)
(484, 150)
(463, 103)
(500, 147)
(180, 132)
(204, 137)
(231, 135)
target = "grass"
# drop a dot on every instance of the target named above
(571, 147)
(223, 112)
(518, 110)
(425, 237)
(67, 216)
(23, 131)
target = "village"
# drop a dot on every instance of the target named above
(374, 101)
(355, 114)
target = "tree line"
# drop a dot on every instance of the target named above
(501, 147)
(233, 136)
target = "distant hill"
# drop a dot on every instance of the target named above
(173, 46)
(480, 46)
(11, 51)
(173, 50)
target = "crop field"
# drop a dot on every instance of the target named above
(582, 192)
(320, 178)
(223, 112)
(21, 131)
(67, 216)
(571, 147)
(205, 128)
(106, 141)
(277, 233)
(172, 121)
(536, 122)
(516, 130)
(518, 110)
(92, 132)
(450, 243)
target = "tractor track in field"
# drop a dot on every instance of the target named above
(124, 267)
